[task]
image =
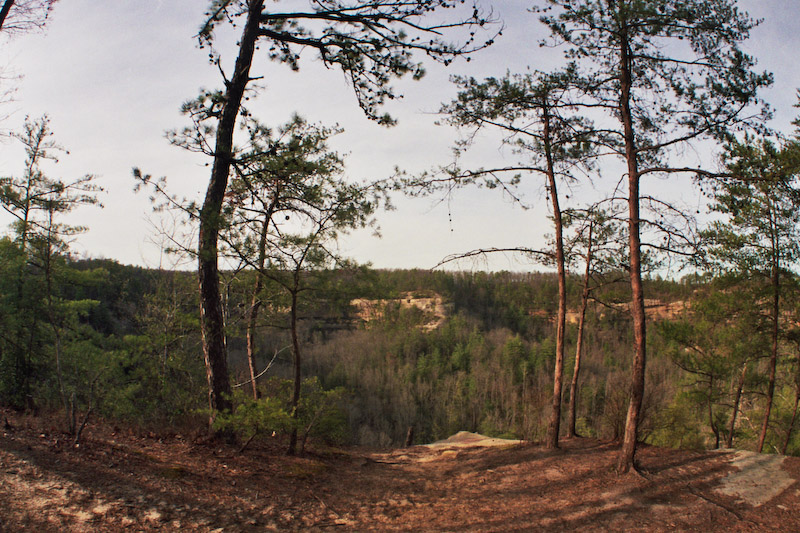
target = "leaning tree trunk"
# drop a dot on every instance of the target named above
(573, 389)
(212, 324)
(558, 374)
(794, 419)
(628, 451)
(255, 303)
(252, 316)
(736, 401)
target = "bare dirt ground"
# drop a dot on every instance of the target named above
(118, 481)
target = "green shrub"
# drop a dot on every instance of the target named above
(321, 414)
(252, 418)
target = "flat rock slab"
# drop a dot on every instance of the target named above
(466, 439)
(760, 478)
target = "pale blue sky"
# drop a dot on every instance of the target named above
(112, 77)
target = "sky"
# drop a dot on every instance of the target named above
(112, 77)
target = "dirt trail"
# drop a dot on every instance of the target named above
(467, 483)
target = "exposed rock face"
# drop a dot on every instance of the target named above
(434, 308)
(654, 309)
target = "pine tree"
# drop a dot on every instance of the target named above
(369, 41)
(668, 72)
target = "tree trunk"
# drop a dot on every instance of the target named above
(255, 303)
(252, 319)
(23, 358)
(794, 419)
(628, 451)
(211, 318)
(558, 373)
(297, 376)
(773, 358)
(736, 400)
(7, 5)
(711, 423)
(573, 389)
(410, 434)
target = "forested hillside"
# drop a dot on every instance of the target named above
(121, 343)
